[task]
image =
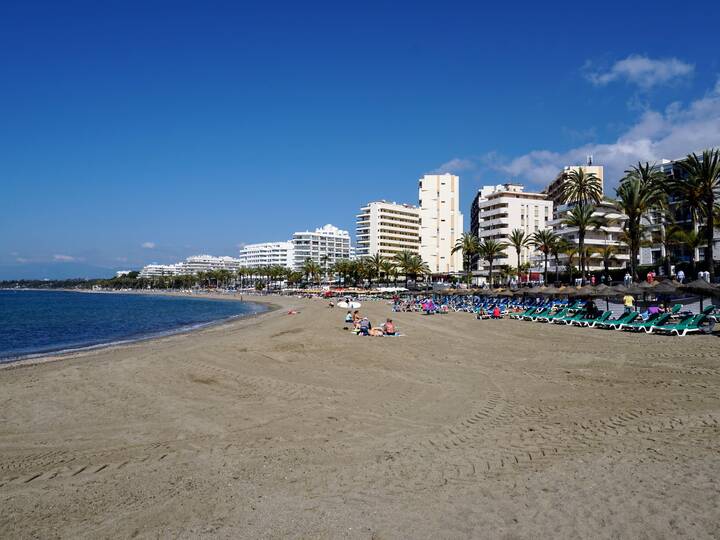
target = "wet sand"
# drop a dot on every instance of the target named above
(289, 426)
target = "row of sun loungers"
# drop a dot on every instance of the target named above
(671, 323)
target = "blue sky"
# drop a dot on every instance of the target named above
(137, 132)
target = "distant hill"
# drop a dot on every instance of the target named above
(55, 270)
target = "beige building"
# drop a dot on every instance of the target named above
(555, 188)
(441, 222)
(498, 210)
(387, 228)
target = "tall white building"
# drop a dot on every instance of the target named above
(268, 254)
(441, 222)
(498, 210)
(325, 246)
(387, 228)
(160, 270)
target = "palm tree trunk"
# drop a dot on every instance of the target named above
(581, 244)
(557, 269)
(490, 261)
(709, 234)
(546, 260)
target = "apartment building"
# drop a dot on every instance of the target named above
(498, 210)
(325, 245)
(441, 222)
(268, 254)
(387, 228)
(608, 235)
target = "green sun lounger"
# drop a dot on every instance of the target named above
(647, 325)
(564, 312)
(550, 316)
(532, 316)
(592, 322)
(617, 324)
(525, 313)
(693, 323)
(579, 314)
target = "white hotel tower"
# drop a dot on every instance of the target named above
(441, 223)
(325, 246)
(387, 228)
(268, 254)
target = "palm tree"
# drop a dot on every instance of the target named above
(701, 190)
(582, 218)
(468, 243)
(692, 240)
(570, 251)
(417, 267)
(544, 240)
(559, 246)
(581, 188)
(519, 241)
(607, 253)
(403, 261)
(324, 262)
(311, 269)
(490, 250)
(387, 268)
(639, 191)
(374, 265)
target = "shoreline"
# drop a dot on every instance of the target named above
(78, 352)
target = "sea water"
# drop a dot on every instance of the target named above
(36, 322)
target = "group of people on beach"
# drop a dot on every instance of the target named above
(363, 327)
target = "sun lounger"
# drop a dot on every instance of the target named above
(525, 313)
(568, 319)
(694, 323)
(637, 326)
(592, 322)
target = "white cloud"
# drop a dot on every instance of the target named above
(455, 165)
(640, 70)
(63, 258)
(668, 134)
(148, 245)
(22, 260)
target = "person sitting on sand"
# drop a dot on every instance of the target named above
(389, 328)
(496, 312)
(356, 317)
(365, 327)
(349, 317)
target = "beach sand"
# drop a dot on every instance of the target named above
(289, 426)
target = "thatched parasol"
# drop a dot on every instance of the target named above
(702, 288)
(666, 287)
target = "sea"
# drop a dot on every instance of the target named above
(39, 322)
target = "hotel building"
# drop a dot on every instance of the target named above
(387, 228)
(325, 246)
(596, 239)
(191, 265)
(441, 223)
(498, 210)
(655, 223)
(554, 190)
(268, 254)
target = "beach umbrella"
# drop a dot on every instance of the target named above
(666, 287)
(603, 291)
(538, 291)
(506, 293)
(702, 288)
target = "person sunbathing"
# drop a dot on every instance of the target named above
(389, 328)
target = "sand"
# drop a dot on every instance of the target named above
(288, 426)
